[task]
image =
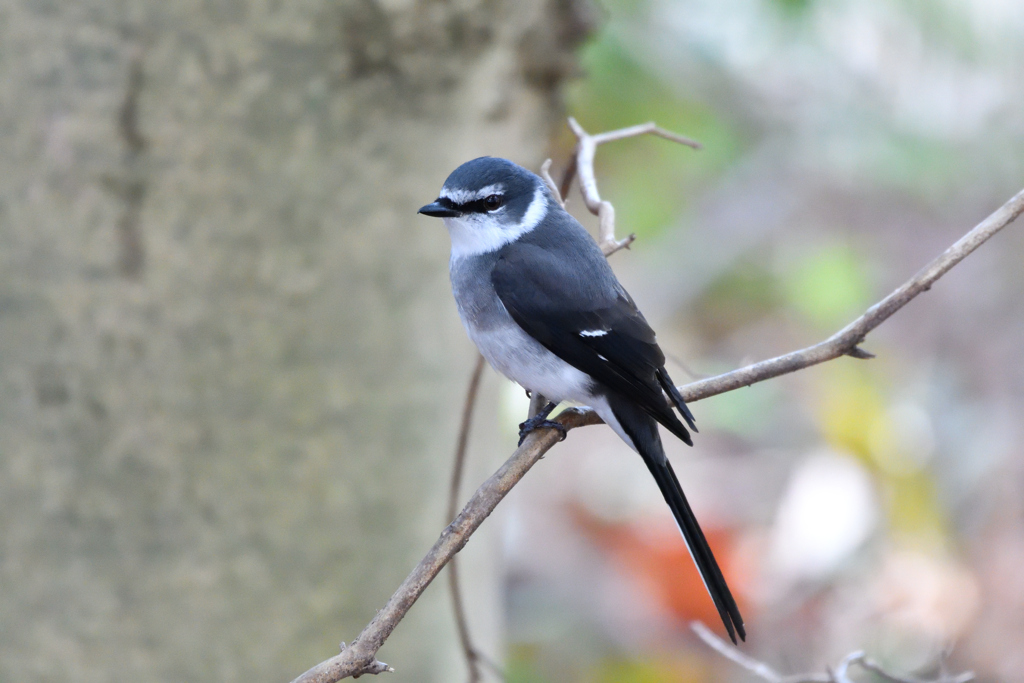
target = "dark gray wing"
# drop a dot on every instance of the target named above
(569, 300)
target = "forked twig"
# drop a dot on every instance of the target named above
(583, 165)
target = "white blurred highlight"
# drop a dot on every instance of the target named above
(828, 510)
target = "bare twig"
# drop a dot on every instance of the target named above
(754, 666)
(944, 677)
(545, 173)
(495, 668)
(461, 625)
(130, 183)
(463, 442)
(472, 655)
(685, 367)
(583, 166)
(840, 674)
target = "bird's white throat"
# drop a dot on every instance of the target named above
(480, 233)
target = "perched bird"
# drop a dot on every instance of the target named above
(540, 301)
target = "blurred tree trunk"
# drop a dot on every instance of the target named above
(230, 366)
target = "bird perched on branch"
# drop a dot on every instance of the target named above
(540, 301)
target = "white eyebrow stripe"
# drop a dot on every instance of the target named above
(457, 196)
(463, 196)
(593, 333)
(497, 188)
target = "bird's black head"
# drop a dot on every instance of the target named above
(485, 185)
(488, 202)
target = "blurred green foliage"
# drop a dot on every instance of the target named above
(654, 670)
(827, 285)
(681, 666)
(739, 296)
(651, 180)
(520, 668)
(748, 412)
(794, 7)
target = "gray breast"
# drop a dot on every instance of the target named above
(509, 349)
(479, 306)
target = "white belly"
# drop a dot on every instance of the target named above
(505, 345)
(523, 360)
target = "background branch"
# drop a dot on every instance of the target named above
(360, 656)
(473, 656)
(837, 675)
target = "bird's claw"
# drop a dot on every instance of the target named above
(533, 423)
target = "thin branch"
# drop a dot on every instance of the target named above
(685, 367)
(545, 173)
(360, 657)
(495, 668)
(567, 175)
(875, 668)
(460, 448)
(840, 674)
(583, 166)
(462, 626)
(754, 666)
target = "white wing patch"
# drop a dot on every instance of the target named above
(593, 333)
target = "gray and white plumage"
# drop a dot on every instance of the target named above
(542, 305)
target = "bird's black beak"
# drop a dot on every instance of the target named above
(439, 210)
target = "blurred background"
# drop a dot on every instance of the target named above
(231, 369)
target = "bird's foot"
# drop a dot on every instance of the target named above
(540, 421)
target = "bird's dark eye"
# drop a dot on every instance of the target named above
(492, 202)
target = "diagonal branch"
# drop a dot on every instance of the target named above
(360, 656)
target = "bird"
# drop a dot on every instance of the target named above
(543, 306)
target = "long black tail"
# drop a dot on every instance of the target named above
(643, 431)
(698, 546)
